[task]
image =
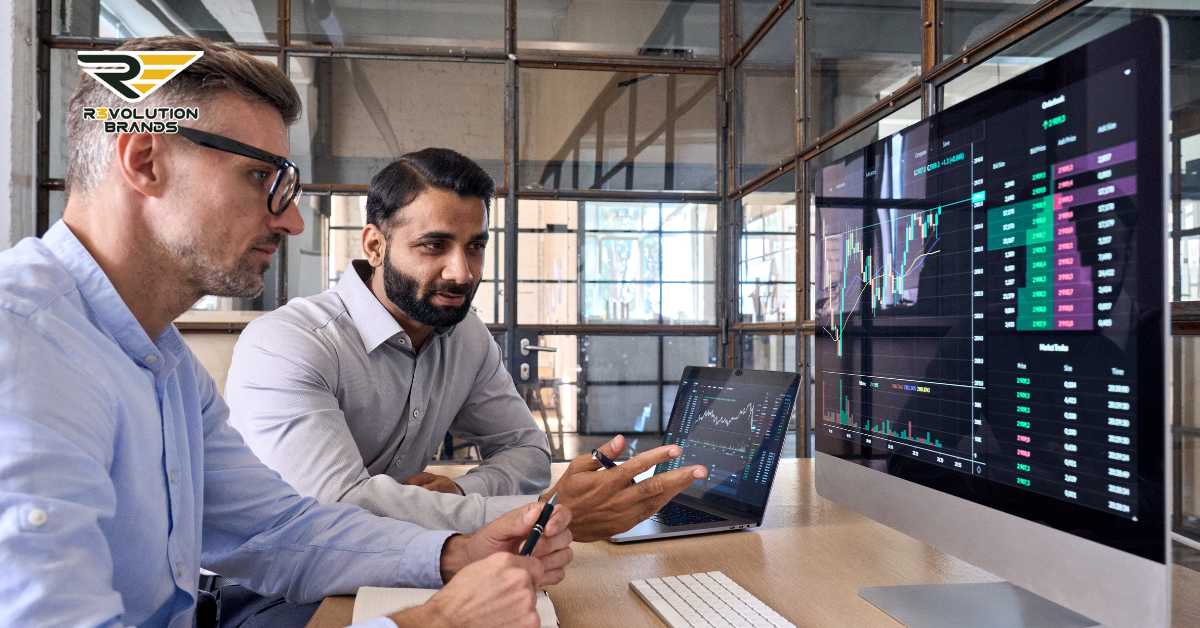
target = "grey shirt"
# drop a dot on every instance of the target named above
(328, 391)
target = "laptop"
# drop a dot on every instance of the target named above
(732, 421)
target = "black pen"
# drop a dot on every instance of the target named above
(539, 527)
(606, 462)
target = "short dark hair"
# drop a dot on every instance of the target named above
(403, 180)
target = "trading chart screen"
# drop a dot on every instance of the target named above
(732, 422)
(990, 296)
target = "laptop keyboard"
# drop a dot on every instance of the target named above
(674, 514)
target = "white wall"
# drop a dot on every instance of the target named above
(18, 122)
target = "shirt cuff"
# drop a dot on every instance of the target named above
(473, 483)
(378, 622)
(427, 556)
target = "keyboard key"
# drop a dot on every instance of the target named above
(674, 514)
(705, 599)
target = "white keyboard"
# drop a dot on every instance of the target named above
(705, 599)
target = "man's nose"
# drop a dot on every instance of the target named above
(290, 221)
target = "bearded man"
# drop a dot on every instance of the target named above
(348, 393)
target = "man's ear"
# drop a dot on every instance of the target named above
(374, 244)
(141, 160)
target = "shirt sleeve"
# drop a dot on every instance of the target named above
(56, 443)
(281, 391)
(515, 452)
(258, 531)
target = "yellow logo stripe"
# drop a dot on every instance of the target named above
(167, 59)
(143, 87)
(155, 75)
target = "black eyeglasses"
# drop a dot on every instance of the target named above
(286, 186)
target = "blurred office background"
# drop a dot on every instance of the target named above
(652, 159)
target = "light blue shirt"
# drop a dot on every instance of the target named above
(120, 478)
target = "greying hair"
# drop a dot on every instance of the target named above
(221, 69)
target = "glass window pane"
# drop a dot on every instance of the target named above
(486, 301)
(64, 78)
(360, 114)
(690, 256)
(618, 216)
(769, 352)
(1189, 158)
(750, 14)
(966, 22)
(622, 257)
(444, 24)
(616, 130)
(307, 266)
(766, 111)
(246, 22)
(621, 302)
(769, 212)
(859, 56)
(689, 217)
(681, 351)
(548, 256)
(626, 409)
(1189, 269)
(680, 29)
(768, 258)
(689, 303)
(493, 261)
(550, 215)
(621, 358)
(767, 302)
(558, 374)
(547, 303)
(58, 203)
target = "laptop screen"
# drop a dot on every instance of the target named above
(733, 422)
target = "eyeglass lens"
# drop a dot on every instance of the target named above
(286, 189)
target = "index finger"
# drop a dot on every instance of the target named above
(647, 459)
(587, 462)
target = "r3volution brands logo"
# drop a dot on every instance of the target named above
(133, 76)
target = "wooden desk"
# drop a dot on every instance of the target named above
(807, 561)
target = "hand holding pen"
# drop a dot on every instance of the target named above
(507, 533)
(539, 526)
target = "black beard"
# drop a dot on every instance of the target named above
(402, 291)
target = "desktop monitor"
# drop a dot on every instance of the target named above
(991, 330)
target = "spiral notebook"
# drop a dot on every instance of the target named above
(372, 602)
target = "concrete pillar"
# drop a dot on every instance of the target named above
(18, 121)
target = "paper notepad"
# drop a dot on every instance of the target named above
(372, 602)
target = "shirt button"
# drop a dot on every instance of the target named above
(151, 359)
(173, 475)
(416, 414)
(37, 517)
(178, 570)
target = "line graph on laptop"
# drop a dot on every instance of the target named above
(725, 431)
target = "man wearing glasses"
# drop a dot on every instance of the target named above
(119, 475)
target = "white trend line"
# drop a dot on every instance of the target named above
(836, 332)
(726, 421)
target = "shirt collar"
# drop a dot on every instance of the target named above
(374, 323)
(108, 309)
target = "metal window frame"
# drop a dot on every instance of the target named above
(935, 73)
